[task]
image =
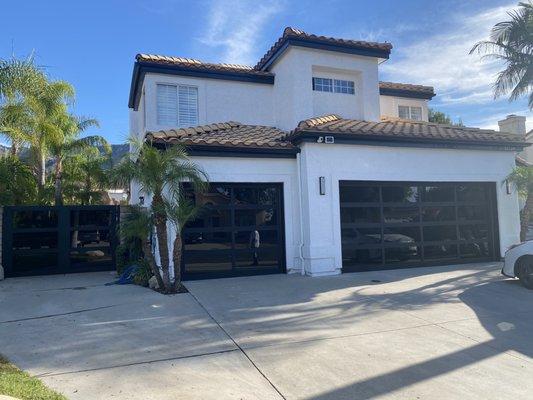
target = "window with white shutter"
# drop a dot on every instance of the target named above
(177, 106)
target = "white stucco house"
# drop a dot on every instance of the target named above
(317, 167)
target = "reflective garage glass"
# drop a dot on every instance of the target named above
(238, 231)
(399, 224)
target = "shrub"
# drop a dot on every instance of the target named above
(143, 274)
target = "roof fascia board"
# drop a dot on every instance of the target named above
(226, 151)
(320, 45)
(142, 68)
(311, 137)
(406, 93)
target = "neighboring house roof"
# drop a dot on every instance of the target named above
(297, 37)
(522, 162)
(227, 137)
(406, 90)
(403, 132)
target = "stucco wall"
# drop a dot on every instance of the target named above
(1, 242)
(389, 105)
(321, 222)
(294, 99)
(247, 170)
(218, 100)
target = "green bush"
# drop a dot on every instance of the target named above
(143, 274)
(128, 253)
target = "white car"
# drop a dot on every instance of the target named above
(518, 263)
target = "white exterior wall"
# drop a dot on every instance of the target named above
(321, 222)
(295, 100)
(389, 106)
(264, 170)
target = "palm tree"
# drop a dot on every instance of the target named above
(180, 211)
(68, 143)
(512, 42)
(139, 224)
(522, 178)
(17, 182)
(85, 177)
(160, 174)
(19, 79)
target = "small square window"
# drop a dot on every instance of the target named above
(346, 87)
(323, 84)
(413, 113)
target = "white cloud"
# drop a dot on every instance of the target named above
(443, 60)
(235, 27)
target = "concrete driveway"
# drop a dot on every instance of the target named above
(430, 333)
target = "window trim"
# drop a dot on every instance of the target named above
(410, 112)
(177, 86)
(333, 85)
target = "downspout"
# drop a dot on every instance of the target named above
(301, 245)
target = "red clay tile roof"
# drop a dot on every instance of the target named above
(192, 64)
(395, 128)
(227, 134)
(290, 32)
(396, 89)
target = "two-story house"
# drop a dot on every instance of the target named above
(317, 167)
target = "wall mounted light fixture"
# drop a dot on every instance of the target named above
(508, 186)
(322, 185)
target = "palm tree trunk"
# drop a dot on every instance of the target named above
(58, 180)
(525, 215)
(176, 258)
(147, 250)
(162, 239)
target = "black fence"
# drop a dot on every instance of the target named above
(42, 240)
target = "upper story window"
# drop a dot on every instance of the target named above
(407, 112)
(333, 85)
(177, 105)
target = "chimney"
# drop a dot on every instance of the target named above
(513, 124)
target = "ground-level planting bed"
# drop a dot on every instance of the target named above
(396, 224)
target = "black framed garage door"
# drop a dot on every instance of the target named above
(239, 231)
(388, 225)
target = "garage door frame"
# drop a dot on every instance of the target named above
(491, 221)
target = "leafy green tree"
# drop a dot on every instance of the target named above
(159, 174)
(439, 117)
(85, 177)
(17, 182)
(512, 42)
(68, 143)
(522, 178)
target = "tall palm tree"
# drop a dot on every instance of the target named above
(68, 143)
(19, 79)
(159, 174)
(512, 42)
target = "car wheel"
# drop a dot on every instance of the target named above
(525, 271)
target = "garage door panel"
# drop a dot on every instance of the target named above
(414, 224)
(239, 231)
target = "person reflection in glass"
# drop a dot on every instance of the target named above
(254, 243)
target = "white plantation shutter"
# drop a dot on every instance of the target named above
(416, 113)
(403, 112)
(177, 106)
(167, 105)
(187, 106)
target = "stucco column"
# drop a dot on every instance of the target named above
(319, 250)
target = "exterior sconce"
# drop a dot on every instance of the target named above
(322, 185)
(508, 186)
(141, 200)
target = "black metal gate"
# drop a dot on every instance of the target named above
(42, 240)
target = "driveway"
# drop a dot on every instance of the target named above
(430, 333)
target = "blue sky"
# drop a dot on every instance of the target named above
(92, 44)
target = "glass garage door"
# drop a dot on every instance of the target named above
(389, 225)
(239, 231)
